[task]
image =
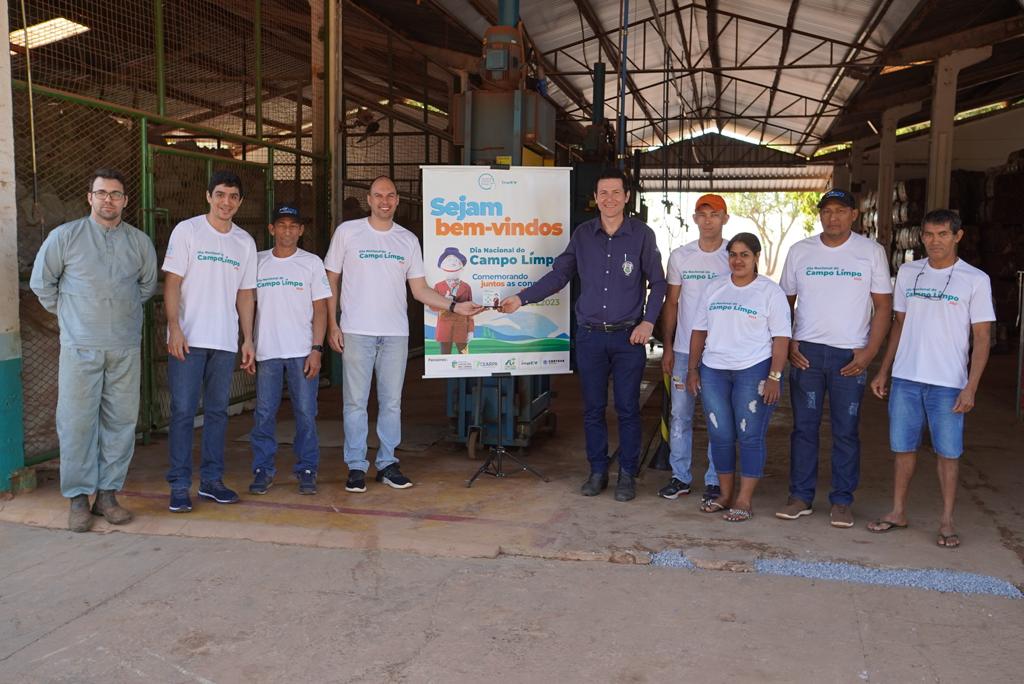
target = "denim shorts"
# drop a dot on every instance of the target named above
(912, 405)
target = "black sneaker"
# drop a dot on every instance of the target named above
(180, 501)
(674, 489)
(711, 492)
(356, 481)
(261, 482)
(393, 477)
(307, 482)
(218, 492)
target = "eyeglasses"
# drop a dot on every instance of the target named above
(931, 295)
(103, 195)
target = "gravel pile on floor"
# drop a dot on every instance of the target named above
(935, 580)
(671, 558)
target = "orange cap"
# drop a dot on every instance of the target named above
(714, 201)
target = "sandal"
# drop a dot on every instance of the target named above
(737, 515)
(882, 526)
(949, 541)
(711, 506)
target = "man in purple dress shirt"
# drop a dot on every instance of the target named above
(617, 260)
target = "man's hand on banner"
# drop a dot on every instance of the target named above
(642, 333)
(510, 304)
(468, 308)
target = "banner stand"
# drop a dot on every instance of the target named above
(493, 465)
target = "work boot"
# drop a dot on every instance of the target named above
(107, 506)
(595, 484)
(79, 519)
(625, 488)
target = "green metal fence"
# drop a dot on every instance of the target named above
(167, 93)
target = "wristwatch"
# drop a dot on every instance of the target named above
(775, 375)
(451, 307)
(318, 347)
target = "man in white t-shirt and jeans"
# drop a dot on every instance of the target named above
(291, 318)
(373, 258)
(691, 268)
(942, 304)
(839, 282)
(209, 289)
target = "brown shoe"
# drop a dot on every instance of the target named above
(841, 516)
(793, 509)
(107, 506)
(79, 519)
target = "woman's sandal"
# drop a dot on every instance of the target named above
(737, 515)
(711, 506)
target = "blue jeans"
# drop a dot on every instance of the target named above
(205, 372)
(736, 413)
(97, 411)
(600, 356)
(914, 404)
(680, 433)
(271, 375)
(807, 391)
(364, 356)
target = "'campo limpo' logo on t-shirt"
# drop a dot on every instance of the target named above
(832, 272)
(208, 255)
(932, 294)
(698, 275)
(280, 281)
(381, 255)
(732, 306)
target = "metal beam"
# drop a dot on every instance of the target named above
(613, 58)
(786, 34)
(979, 36)
(716, 59)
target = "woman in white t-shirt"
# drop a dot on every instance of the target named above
(738, 348)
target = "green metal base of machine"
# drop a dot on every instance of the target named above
(12, 449)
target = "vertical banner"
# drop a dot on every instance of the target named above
(487, 234)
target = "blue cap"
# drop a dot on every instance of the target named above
(451, 251)
(840, 196)
(286, 211)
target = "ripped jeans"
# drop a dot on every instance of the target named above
(736, 414)
(807, 391)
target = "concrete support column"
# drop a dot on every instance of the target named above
(841, 176)
(940, 143)
(887, 168)
(12, 436)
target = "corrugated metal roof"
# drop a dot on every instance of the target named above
(825, 33)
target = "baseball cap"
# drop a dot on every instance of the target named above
(714, 201)
(286, 211)
(840, 196)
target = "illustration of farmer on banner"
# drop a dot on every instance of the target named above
(453, 328)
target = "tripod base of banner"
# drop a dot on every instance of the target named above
(493, 466)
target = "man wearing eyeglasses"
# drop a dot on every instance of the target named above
(941, 303)
(839, 283)
(95, 274)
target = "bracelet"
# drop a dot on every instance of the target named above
(775, 375)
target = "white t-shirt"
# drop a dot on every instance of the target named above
(693, 269)
(741, 322)
(285, 291)
(374, 267)
(214, 267)
(833, 286)
(939, 315)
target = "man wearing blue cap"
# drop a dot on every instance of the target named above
(291, 319)
(839, 283)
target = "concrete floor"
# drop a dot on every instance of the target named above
(466, 579)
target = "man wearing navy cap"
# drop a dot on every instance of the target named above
(839, 283)
(292, 292)
(617, 261)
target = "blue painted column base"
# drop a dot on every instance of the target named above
(12, 432)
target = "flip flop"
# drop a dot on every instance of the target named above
(711, 506)
(945, 539)
(737, 515)
(889, 526)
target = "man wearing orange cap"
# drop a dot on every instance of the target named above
(691, 268)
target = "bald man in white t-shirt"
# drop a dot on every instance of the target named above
(942, 304)
(840, 286)
(369, 262)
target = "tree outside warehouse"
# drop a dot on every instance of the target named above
(775, 214)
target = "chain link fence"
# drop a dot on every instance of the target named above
(166, 93)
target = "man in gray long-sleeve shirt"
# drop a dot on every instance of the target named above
(95, 274)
